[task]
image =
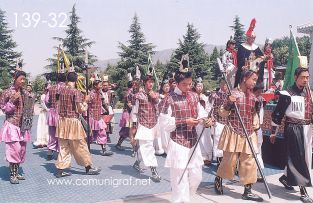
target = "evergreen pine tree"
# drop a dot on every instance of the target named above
(239, 33)
(74, 44)
(198, 58)
(133, 54)
(216, 73)
(8, 57)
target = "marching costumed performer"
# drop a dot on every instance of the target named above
(53, 101)
(145, 117)
(131, 101)
(97, 124)
(206, 142)
(165, 136)
(258, 90)
(18, 107)
(218, 98)
(249, 54)
(107, 100)
(234, 144)
(295, 104)
(268, 63)
(179, 115)
(42, 125)
(71, 134)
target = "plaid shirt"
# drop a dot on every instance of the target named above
(147, 111)
(183, 106)
(218, 98)
(247, 106)
(69, 99)
(14, 117)
(95, 105)
(54, 92)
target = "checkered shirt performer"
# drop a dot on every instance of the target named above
(71, 134)
(145, 114)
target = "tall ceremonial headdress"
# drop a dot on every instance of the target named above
(250, 31)
(184, 64)
(18, 70)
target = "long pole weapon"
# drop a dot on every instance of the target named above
(245, 132)
(87, 90)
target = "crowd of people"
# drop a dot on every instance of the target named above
(179, 121)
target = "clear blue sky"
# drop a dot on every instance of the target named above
(163, 22)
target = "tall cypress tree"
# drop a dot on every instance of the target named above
(8, 56)
(74, 43)
(239, 33)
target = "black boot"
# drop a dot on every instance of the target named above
(13, 174)
(61, 173)
(105, 152)
(218, 185)
(92, 171)
(118, 146)
(137, 166)
(248, 195)
(155, 175)
(305, 196)
(283, 180)
(19, 176)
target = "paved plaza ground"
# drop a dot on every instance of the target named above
(118, 181)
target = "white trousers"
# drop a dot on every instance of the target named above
(259, 154)
(146, 153)
(206, 144)
(217, 131)
(189, 184)
(158, 146)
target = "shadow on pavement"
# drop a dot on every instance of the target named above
(4, 173)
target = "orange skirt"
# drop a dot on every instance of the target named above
(233, 142)
(70, 129)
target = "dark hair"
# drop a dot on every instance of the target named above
(246, 74)
(267, 44)
(171, 80)
(221, 79)
(95, 83)
(230, 42)
(18, 74)
(300, 70)
(130, 84)
(179, 76)
(148, 77)
(61, 77)
(72, 77)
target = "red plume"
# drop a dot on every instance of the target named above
(251, 28)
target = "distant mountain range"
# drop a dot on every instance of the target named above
(163, 56)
